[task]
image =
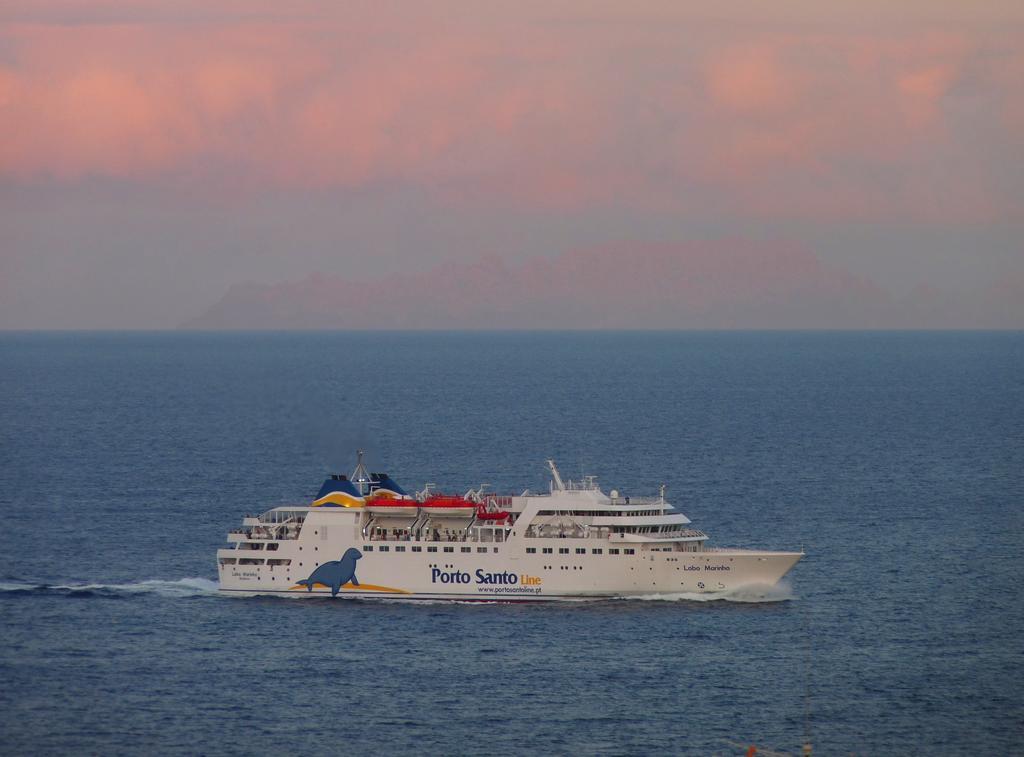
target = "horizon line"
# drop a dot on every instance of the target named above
(682, 330)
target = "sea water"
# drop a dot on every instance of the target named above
(896, 460)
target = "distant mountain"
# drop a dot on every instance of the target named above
(734, 284)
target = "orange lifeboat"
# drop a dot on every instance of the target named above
(392, 506)
(482, 514)
(447, 506)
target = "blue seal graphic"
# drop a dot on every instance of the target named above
(335, 573)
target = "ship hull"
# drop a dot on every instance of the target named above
(505, 572)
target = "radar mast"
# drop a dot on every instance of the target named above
(360, 476)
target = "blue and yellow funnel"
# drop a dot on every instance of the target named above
(338, 491)
(383, 486)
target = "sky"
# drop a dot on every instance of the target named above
(175, 163)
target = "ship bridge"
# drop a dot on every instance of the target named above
(582, 510)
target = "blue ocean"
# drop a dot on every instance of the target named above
(896, 460)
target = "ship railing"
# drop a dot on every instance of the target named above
(636, 500)
(498, 500)
(568, 532)
(279, 515)
(283, 531)
(604, 532)
(685, 533)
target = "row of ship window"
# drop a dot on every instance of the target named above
(482, 550)
(654, 510)
(579, 551)
(401, 548)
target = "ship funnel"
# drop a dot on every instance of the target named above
(338, 491)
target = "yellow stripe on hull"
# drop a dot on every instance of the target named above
(361, 587)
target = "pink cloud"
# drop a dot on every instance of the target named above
(752, 80)
(511, 105)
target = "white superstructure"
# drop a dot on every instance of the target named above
(365, 537)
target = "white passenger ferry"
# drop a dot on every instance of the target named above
(363, 536)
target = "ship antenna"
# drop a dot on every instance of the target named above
(558, 485)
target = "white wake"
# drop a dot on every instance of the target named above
(780, 592)
(182, 587)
